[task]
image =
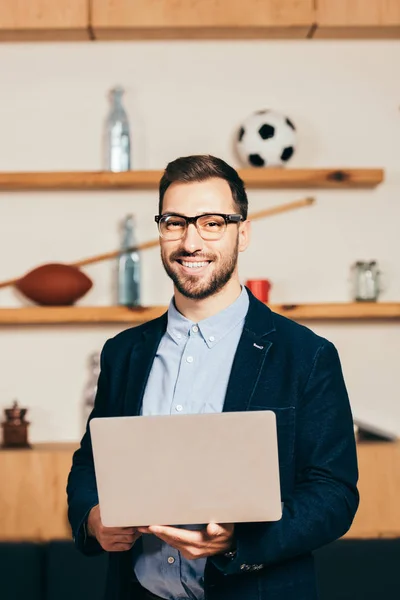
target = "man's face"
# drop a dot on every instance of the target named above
(200, 268)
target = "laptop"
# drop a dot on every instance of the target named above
(187, 469)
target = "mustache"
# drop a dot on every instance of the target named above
(183, 254)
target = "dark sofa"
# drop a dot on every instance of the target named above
(347, 570)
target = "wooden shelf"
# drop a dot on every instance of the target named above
(41, 315)
(340, 311)
(354, 20)
(180, 19)
(253, 178)
(44, 20)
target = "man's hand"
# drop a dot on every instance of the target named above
(112, 539)
(214, 539)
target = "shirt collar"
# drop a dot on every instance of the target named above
(178, 326)
(219, 325)
(212, 329)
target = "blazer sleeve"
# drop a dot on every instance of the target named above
(325, 498)
(81, 486)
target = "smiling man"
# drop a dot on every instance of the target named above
(219, 349)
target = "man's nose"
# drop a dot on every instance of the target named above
(192, 241)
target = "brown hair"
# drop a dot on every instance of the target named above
(200, 168)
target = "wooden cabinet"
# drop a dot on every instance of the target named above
(358, 18)
(378, 515)
(144, 19)
(44, 20)
(33, 502)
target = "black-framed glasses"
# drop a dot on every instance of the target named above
(173, 227)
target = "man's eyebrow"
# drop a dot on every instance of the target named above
(177, 214)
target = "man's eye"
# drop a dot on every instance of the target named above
(173, 224)
(213, 224)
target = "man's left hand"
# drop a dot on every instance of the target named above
(212, 540)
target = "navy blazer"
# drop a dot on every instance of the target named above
(281, 366)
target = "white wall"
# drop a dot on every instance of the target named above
(189, 98)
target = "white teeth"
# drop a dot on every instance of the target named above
(194, 265)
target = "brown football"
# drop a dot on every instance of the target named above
(54, 284)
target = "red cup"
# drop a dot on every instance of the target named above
(260, 288)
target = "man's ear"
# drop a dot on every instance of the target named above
(244, 235)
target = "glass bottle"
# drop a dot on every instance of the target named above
(128, 266)
(366, 281)
(118, 145)
(90, 389)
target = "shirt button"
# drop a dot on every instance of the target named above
(179, 335)
(171, 560)
(189, 359)
(179, 407)
(195, 329)
(211, 338)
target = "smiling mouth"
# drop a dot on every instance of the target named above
(193, 265)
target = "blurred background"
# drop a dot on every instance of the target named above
(77, 159)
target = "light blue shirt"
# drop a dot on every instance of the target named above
(190, 374)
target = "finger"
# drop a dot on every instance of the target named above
(144, 529)
(119, 530)
(216, 529)
(213, 530)
(118, 534)
(121, 539)
(120, 547)
(173, 535)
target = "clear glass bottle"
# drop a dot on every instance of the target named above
(366, 281)
(90, 389)
(128, 266)
(118, 144)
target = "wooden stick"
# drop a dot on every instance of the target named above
(267, 212)
(114, 254)
(275, 210)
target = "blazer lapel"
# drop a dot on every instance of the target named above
(140, 364)
(250, 356)
(249, 360)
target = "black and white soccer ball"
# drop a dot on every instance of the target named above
(266, 138)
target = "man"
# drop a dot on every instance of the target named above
(219, 348)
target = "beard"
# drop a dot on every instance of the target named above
(189, 285)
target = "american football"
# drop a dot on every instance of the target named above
(54, 284)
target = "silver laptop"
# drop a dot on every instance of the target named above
(187, 469)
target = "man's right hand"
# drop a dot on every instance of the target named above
(111, 539)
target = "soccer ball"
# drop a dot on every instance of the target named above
(266, 139)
